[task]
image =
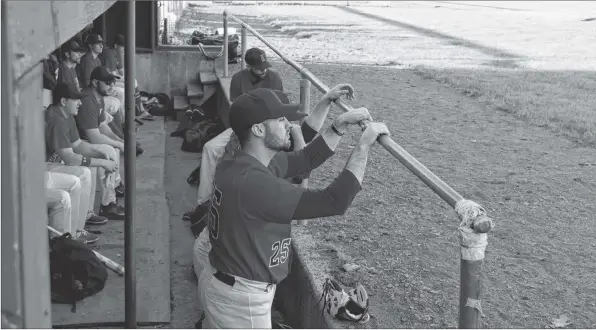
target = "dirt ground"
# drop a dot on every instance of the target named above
(537, 185)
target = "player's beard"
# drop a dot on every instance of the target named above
(276, 142)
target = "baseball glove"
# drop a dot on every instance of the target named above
(351, 306)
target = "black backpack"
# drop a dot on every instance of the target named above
(75, 271)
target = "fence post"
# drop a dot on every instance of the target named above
(225, 41)
(473, 236)
(164, 36)
(305, 102)
(243, 41)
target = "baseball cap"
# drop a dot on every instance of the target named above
(62, 91)
(261, 104)
(102, 74)
(74, 46)
(257, 59)
(93, 39)
(119, 40)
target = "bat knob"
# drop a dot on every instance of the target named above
(482, 224)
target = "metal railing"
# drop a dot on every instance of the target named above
(474, 223)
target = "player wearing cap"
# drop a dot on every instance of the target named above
(113, 60)
(66, 153)
(67, 73)
(89, 118)
(258, 74)
(308, 130)
(252, 205)
(90, 61)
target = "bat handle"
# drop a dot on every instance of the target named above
(364, 124)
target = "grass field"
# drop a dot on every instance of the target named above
(547, 49)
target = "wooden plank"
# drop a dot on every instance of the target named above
(207, 78)
(181, 103)
(31, 199)
(12, 295)
(194, 89)
(40, 27)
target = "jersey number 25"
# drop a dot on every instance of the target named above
(281, 251)
(214, 213)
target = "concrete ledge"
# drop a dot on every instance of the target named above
(299, 294)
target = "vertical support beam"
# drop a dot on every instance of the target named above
(154, 25)
(164, 37)
(24, 211)
(12, 298)
(244, 46)
(225, 41)
(130, 285)
(473, 236)
(470, 288)
(305, 102)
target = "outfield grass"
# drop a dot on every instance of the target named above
(536, 60)
(545, 72)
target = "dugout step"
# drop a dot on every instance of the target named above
(209, 90)
(194, 89)
(207, 78)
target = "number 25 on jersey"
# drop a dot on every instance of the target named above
(281, 252)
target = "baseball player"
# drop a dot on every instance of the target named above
(311, 126)
(252, 205)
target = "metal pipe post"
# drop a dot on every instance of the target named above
(470, 288)
(225, 41)
(244, 46)
(305, 102)
(130, 280)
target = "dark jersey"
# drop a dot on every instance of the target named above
(84, 69)
(91, 113)
(244, 81)
(69, 77)
(111, 59)
(61, 132)
(252, 207)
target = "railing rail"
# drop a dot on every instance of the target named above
(474, 223)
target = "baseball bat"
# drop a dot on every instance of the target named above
(112, 265)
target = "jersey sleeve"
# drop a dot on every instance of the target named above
(333, 200)
(269, 198)
(235, 87)
(88, 117)
(300, 162)
(278, 84)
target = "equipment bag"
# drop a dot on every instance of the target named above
(196, 136)
(76, 272)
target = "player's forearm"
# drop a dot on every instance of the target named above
(107, 131)
(103, 139)
(333, 200)
(76, 159)
(357, 161)
(318, 115)
(87, 150)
